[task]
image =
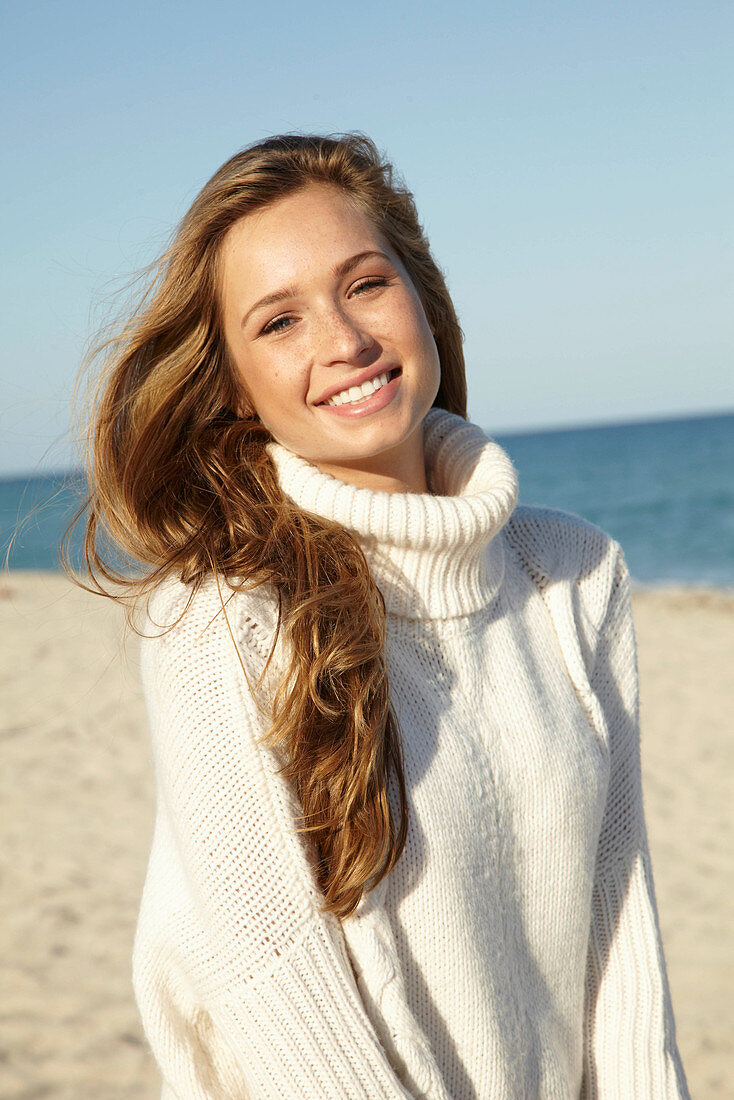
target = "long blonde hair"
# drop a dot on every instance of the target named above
(181, 484)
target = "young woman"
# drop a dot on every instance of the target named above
(399, 848)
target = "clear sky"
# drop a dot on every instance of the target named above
(573, 164)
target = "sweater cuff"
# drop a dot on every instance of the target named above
(304, 1023)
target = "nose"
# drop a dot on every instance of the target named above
(341, 339)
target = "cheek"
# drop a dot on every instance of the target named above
(249, 377)
(423, 336)
(419, 320)
(404, 321)
(272, 382)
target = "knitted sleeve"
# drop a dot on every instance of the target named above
(630, 1047)
(245, 988)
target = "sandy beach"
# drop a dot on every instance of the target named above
(77, 797)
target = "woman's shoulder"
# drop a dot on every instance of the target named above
(553, 544)
(579, 568)
(176, 614)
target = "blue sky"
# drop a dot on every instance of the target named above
(573, 164)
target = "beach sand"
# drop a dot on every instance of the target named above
(77, 811)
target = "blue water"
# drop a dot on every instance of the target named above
(34, 513)
(664, 489)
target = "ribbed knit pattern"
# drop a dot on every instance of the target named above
(514, 951)
(432, 556)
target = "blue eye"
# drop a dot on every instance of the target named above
(276, 325)
(369, 283)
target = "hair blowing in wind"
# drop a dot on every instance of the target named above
(181, 484)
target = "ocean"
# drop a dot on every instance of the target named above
(664, 489)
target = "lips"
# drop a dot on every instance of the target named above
(358, 380)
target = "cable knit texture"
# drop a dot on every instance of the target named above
(514, 952)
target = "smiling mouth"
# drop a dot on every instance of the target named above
(346, 397)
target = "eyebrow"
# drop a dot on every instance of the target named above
(338, 271)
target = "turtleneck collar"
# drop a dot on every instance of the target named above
(432, 556)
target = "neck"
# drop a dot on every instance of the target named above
(400, 469)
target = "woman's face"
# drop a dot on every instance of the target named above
(315, 303)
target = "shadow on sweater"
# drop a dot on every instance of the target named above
(530, 1028)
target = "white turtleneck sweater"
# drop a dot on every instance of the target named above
(513, 953)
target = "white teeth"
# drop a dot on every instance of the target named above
(358, 393)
